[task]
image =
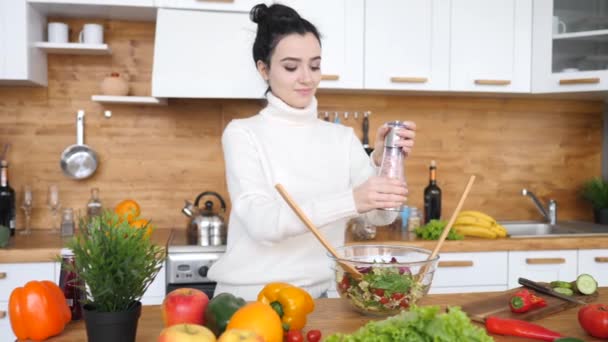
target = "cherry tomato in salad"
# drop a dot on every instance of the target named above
(384, 300)
(295, 336)
(397, 295)
(404, 303)
(379, 292)
(344, 284)
(313, 336)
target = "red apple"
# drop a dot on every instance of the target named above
(184, 305)
(186, 333)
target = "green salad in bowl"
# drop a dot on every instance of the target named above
(390, 277)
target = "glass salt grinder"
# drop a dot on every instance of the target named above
(94, 206)
(392, 165)
(67, 222)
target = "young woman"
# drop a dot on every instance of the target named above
(322, 165)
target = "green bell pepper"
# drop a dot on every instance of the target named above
(219, 311)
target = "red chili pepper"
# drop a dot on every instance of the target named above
(516, 327)
(521, 302)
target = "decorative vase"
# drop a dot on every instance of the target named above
(114, 85)
(111, 326)
(601, 215)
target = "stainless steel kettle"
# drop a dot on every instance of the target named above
(206, 228)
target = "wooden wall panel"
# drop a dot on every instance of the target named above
(163, 155)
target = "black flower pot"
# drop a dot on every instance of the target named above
(601, 215)
(111, 326)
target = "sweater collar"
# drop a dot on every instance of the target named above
(277, 109)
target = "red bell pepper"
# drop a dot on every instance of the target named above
(521, 301)
(519, 328)
(538, 302)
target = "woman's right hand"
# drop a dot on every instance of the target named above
(379, 193)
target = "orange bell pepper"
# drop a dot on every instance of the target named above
(38, 310)
(292, 303)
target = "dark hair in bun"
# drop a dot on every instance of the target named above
(274, 23)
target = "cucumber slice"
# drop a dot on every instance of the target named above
(585, 284)
(563, 290)
(559, 283)
(568, 339)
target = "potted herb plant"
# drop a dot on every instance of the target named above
(595, 191)
(116, 261)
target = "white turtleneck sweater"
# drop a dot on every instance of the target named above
(319, 163)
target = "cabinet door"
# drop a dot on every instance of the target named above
(544, 266)
(15, 275)
(340, 23)
(479, 270)
(491, 45)
(20, 62)
(214, 5)
(205, 55)
(6, 332)
(156, 291)
(594, 262)
(574, 60)
(407, 44)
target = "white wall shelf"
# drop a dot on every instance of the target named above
(597, 35)
(74, 48)
(142, 10)
(132, 100)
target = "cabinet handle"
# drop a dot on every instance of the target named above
(409, 79)
(461, 263)
(545, 261)
(492, 82)
(2, 275)
(601, 259)
(330, 77)
(2, 314)
(591, 80)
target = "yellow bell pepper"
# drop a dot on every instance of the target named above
(292, 303)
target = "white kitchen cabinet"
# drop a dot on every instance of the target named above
(595, 263)
(204, 54)
(156, 291)
(573, 55)
(470, 272)
(16, 275)
(20, 62)
(213, 5)
(340, 23)
(544, 266)
(490, 46)
(407, 44)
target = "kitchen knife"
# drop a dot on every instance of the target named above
(365, 140)
(542, 289)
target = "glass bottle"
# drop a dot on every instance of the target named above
(67, 222)
(414, 219)
(94, 207)
(432, 196)
(70, 284)
(392, 165)
(7, 199)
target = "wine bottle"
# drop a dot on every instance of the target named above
(7, 199)
(432, 196)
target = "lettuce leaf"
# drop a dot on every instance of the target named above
(433, 229)
(419, 324)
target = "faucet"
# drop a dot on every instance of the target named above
(550, 214)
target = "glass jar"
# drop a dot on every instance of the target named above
(67, 222)
(70, 284)
(414, 219)
(94, 207)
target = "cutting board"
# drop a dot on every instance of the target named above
(499, 306)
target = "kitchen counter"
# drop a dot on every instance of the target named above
(42, 246)
(390, 235)
(335, 315)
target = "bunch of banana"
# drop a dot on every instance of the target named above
(477, 224)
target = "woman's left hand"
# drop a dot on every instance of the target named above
(406, 142)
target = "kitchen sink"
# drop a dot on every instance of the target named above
(530, 229)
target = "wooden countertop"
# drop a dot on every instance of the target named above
(41, 246)
(390, 235)
(335, 315)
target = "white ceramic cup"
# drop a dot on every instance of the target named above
(91, 34)
(57, 32)
(559, 26)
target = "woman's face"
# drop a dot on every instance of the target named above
(295, 69)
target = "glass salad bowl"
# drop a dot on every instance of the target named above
(392, 278)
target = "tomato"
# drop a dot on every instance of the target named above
(594, 319)
(344, 284)
(379, 292)
(295, 336)
(384, 300)
(313, 336)
(397, 295)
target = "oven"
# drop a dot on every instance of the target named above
(187, 266)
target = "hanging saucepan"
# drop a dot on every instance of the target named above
(79, 161)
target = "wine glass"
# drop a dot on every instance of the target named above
(27, 209)
(54, 205)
